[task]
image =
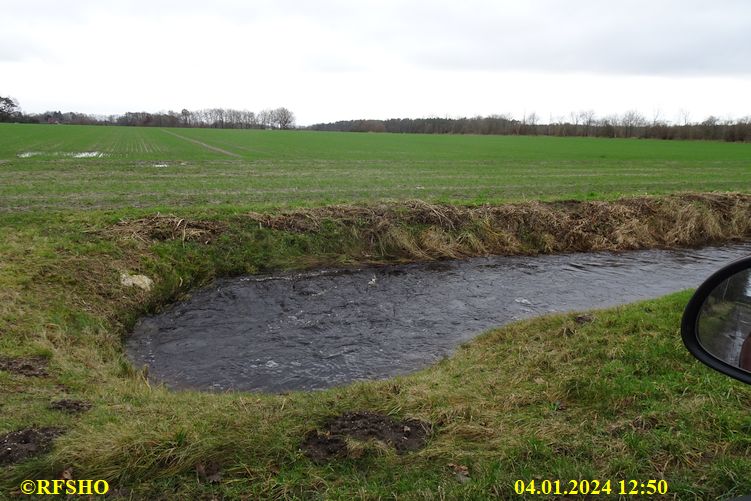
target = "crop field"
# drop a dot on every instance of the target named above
(608, 395)
(80, 167)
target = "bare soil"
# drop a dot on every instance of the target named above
(19, 445)
(70, 406)
(210, 472)
(330, 441)
(25, 366)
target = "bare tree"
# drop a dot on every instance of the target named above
(710, 127)
(575, 118)
(684, 117)
(264, 118)
(588, 120)
(283, 118)
(8, 108)
(608, 126)
(632, 120)
(185, 117)
(657, 117)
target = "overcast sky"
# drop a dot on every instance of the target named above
(331, 60)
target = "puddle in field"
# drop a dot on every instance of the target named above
(87, 154)
(326, 328)
(71, 154)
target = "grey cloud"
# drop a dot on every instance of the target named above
(646, 37)
(672, 38)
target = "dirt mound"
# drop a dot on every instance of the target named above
(70, 406)
(19, 445)
(339, 436)
(168, 227)
(26, 366)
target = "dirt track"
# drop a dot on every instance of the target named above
(200, 143)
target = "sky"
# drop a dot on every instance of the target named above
(329, 60)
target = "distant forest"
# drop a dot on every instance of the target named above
(582, 124)
(219, 118)
(585, 124)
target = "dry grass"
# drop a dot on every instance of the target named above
(419, 230)
(168, 227)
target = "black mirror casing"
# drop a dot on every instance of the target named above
(691, 315)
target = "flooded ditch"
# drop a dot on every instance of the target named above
(325, 328)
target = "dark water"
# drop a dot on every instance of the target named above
(327, 328)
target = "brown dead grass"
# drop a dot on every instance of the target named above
(168, 227)
(419, 230)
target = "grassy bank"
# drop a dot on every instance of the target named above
(612, 395)
(418, 230)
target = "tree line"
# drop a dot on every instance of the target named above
(630, 124)
(582, 124)
(220, 118)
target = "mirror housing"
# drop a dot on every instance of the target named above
(716, 324)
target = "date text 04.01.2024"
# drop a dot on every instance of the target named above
(593, 487)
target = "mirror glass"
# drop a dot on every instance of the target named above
(724, 324)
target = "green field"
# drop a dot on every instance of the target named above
(152, 167)
(612, 397)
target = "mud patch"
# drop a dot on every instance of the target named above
(168, 227)
(70, 406)
(25, 366)
(22, 444)
(209, 472)
(584, 319)
(334, 439)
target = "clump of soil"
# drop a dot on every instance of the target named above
(70, 406)
(26, 366)
(168, 227)
(583, 319)
(210, 472)
(22, 444)
(331, 441)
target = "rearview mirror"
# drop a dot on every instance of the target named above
(716, 325)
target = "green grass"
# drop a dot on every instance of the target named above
(304, 168)
(618, 398)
